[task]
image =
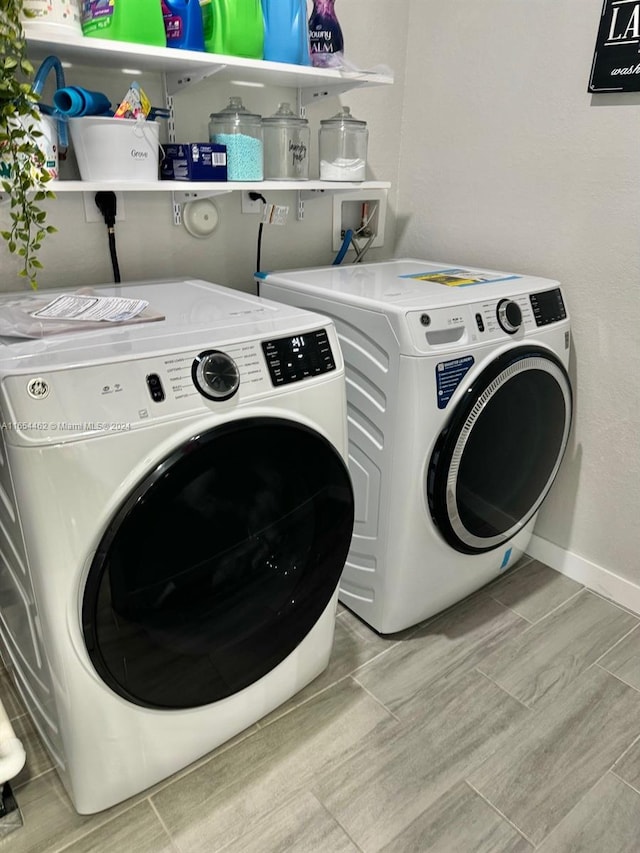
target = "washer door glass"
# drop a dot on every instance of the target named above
(219, 563)
(496, 459)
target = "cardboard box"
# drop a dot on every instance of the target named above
(194, 161)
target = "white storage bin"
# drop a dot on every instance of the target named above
(116, 149)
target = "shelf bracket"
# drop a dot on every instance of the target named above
(177, 80)
(310, 195)
(311, 94)
(184, 196)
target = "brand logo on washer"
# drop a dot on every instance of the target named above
(38, 388)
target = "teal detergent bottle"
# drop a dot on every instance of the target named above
(286, 31)
(238, 28)
(139, 21)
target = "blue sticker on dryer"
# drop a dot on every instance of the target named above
(449, 374)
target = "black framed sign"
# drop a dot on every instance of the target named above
(616, 60)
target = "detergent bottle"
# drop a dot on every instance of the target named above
(139, 21)
(325, 36)
(183, 24)
(286, 31)
(238, 28)
(206, 8)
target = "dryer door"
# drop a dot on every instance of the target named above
(219, 563)
(496, 459)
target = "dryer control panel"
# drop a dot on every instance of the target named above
(298, 356)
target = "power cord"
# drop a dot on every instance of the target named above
(107, 205)
(258, 197)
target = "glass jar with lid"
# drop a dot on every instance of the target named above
(286, 145)
(241, 132)
(343, 147)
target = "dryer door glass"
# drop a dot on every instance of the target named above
(500, 451)
(219, 564)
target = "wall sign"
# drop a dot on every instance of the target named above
(616, 60)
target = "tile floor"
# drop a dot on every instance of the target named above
(511, 722)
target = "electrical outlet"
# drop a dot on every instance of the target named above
(362, 212)
(250, 206)
(91, 212)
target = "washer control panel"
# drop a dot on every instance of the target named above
(509, 316)
(548, 307)
(298, 356)
(494, 319)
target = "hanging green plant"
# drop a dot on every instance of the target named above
(23, 173)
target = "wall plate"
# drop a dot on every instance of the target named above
(91, 212)
(250, 206)
(347, 213)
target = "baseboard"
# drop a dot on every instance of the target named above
(600, 580)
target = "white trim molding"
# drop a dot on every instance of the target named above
(600, 580)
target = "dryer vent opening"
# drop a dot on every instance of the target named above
(219, 564)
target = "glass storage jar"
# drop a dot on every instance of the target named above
(286, 145)
(241, 132)
(343, 147)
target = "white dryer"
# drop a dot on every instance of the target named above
(459, 408)
(175, 513)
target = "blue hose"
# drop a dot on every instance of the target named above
(348, 234)
(51, 62)
(73, 101)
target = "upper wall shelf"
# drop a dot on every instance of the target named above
(183, 67)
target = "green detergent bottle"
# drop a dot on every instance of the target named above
(238, 28)
(139, 21)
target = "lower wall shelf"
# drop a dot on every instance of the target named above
(200, 189)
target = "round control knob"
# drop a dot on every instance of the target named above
(215, 374)
(509, 316)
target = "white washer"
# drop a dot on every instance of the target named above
(459, 408)
(175, 513)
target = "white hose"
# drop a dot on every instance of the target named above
(12, 754)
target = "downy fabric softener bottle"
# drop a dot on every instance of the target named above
(325, 36)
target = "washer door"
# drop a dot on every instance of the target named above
(496, 459)
(219, 563)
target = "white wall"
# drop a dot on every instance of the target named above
(508, 162)
(149, 245)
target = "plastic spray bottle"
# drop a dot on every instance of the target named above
(325, 36)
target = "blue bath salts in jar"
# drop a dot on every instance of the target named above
(241, 132)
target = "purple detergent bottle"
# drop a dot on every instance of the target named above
(325, 36)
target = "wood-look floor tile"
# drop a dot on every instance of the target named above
(136, 830)
(440, 651)
(606, 820)
(539, 663)
(624, 659)
(302, 825)
(353, 645)
(545, 767)
(459, 820)
(215, 803)
(533, 590)
(628, 766)
(49, 819)
(392, 776)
